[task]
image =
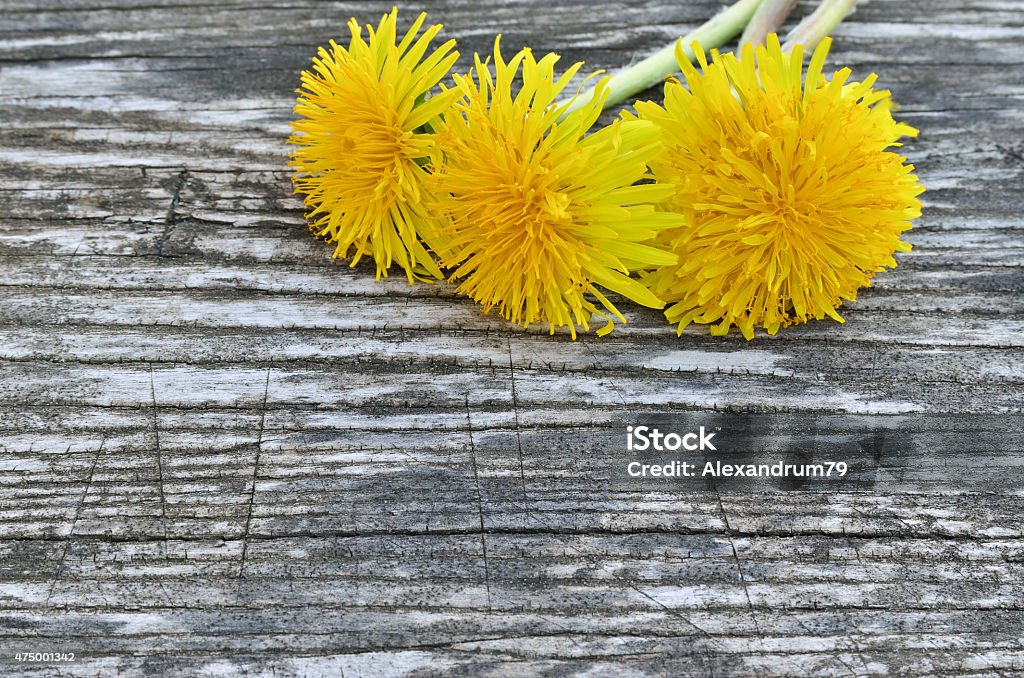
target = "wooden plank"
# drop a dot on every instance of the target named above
(223, 453)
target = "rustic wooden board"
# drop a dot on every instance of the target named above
(222, 453)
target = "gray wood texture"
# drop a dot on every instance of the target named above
(222, 453)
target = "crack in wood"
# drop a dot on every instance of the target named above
(156, 438)
(480, 505)
(255, 476)
(515, 413)
(74, 522)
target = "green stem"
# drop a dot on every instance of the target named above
(767, 19)
(655, 68)
(819, 24)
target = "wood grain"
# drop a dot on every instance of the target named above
(222, 453)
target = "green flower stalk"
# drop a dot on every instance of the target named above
(767, 19)
(820, 23)
(756, 18)
(634, 79)
(771, 14)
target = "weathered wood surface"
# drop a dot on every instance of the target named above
(223, 453)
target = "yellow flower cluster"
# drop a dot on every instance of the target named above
(538, 214)
(791, 200)
(754, 197)
(362, 136)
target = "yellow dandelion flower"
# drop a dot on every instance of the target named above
(540, 215)
(791, 200)
(362, 139)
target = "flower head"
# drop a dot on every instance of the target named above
(362, 138)
(791, 200)
(539, 214)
